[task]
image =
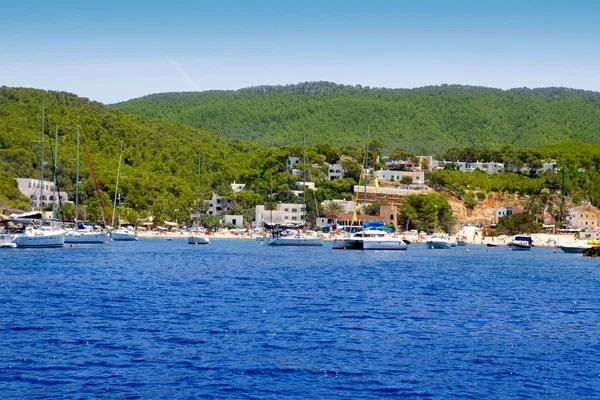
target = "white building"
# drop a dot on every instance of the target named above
(292, 163)
(284, 213)
(335, 171)
(418, 178)
(31, 188)
(217, 205)
(489, 167)
(309, 185)
(237, 187)
(236, 220)
(503, 212)
(347, 205)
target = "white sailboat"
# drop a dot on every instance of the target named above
(77, 235)
(121, 234)
(286, 237)
(44, 236)
(197, 235)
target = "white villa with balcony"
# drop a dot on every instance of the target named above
(284, 213)
(31, 188)
(418, 178)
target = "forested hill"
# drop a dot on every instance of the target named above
(432, 118)
(159, 160)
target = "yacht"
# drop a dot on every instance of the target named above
(42, 237)
(521, 243)
(576, 246)
(438, 241)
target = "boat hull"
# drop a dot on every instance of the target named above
(437, 245)
(45, 241)
(347, 244)
(573, 249)
(384, 245)
(86, 237)
(198, 239)
(123, 236)
(295, 241)
(519, 246)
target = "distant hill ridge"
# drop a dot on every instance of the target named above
(431, 118)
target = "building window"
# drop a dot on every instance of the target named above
(286, 209)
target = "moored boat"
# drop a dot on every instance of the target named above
(521, 243)
(574, 246)
(83, 236)
(438, 241)
(123, 235)
(43, 237)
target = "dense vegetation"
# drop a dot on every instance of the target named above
(431, 118)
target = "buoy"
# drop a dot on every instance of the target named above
(554, 251)
(72, 245)
(344, 247)
(106, 242)
(509, 248)
(466, 250)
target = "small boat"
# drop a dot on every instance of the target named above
(492, 244)
(438, 241)
(574, 246)
(521, 243)
(370, 239)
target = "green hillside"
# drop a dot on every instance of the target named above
(431, 118)
(159, 162)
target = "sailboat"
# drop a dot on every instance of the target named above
(77, 235)
(120, 234)
(197, 236)
(282, 236)
(374, 235)
(44, 236)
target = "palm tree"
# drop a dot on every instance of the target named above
(333, 211)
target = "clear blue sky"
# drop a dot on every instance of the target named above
(112, 51)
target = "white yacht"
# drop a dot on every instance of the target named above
(577, 246)
(44, 236)
(123, 235)
(438, 241)
(521, 243)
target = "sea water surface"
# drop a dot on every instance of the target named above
(236, 319)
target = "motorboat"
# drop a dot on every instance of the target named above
(521, 243)
(576, 246)
(42, 237)
(85, 236)
(491, 244)
(284, 237)
(123, 235)
(438, 241)
(461, 241)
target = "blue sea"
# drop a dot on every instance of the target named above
(158, 319)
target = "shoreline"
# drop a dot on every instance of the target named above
(539, 239)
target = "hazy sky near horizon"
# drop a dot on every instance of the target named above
(113, 51)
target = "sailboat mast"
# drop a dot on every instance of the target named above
(77, 181)
(112, 222)
(304, 178)
(42, 162)
(366, 179)
(197, 216)
(54, 181)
